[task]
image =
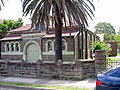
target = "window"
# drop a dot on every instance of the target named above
(17, 47)
(64, 45)
(49, 46)
(7, 47)
(12, 47)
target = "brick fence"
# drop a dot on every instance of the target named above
(79, 70)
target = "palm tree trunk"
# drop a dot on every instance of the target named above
(58, 37)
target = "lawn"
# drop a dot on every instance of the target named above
(48, 87)
(118, 54)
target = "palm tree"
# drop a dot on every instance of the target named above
(2, 3)
(59, 11)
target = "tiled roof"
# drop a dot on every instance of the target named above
(63, 34)
(11, 38)
(23, 28)
(45, 36)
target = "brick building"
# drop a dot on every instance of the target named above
(113, 46)
(31, 45)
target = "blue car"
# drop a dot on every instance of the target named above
(109, 80)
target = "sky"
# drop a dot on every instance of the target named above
(106, 11)
(13, 10)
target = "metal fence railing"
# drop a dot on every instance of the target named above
(112, 62)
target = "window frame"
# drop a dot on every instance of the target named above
(66, 45)
(12, 47)
(52, 46)
(16, 47)
(6, 49)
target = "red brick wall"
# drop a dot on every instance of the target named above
(113, 46)
(69, 40)
(12, 57)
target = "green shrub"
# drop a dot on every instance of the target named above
(101, 46)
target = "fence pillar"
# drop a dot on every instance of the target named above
(100, 61)
(39, 63)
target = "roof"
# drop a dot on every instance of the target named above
(45, 36)
(63, 34)
(23, 28)
(11, 38)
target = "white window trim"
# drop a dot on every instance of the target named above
(11, 47)
(66, 45)
(18, 46)
(12, 53)
(5, 46)
(46, 45)
(64, 53)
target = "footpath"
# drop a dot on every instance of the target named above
(87, 83)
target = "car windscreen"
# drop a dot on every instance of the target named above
(113, 72)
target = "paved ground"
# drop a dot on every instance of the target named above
(88, 83)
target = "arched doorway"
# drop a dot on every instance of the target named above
(32, 52)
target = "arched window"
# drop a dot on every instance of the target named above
(64, 45)
(12, 47)
(49, 46)
(7, 47)
(17, 47)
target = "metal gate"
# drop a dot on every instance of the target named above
(112, 62)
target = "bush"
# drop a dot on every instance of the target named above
(101, 46)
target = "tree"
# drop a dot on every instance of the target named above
(8, 25)
(58, 12)
(119, 31)
(117, 39)
(2, 2)
(105, 28)
(109, 37)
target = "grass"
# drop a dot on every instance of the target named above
(113, 59)
(118, 54)
(48, 87)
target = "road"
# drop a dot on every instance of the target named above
(3, 88)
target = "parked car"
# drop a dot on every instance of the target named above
(109, 80)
